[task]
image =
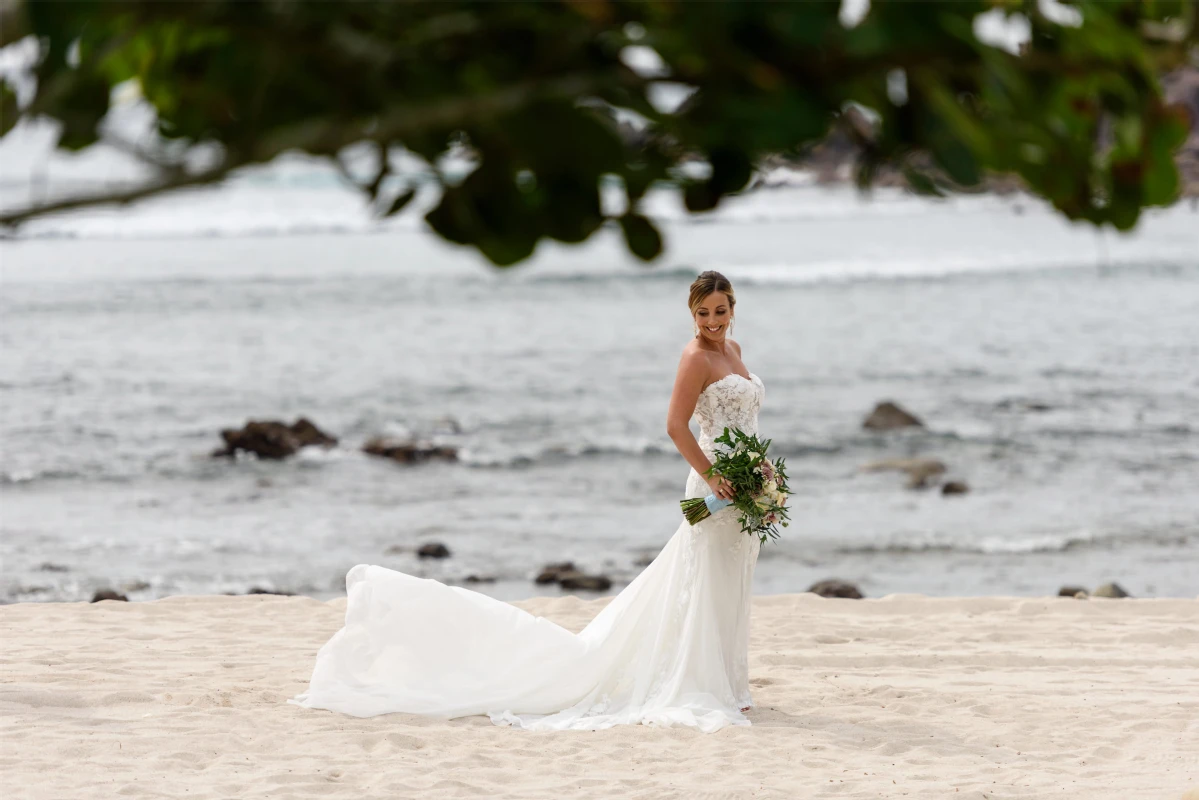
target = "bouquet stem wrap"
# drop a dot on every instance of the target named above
(697, 509)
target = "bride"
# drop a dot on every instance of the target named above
(670, 649)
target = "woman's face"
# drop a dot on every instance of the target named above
(713, 316)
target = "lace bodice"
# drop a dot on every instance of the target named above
(731, 401)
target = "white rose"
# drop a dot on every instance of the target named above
(752, 454)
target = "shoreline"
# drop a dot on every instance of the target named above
(929, 696)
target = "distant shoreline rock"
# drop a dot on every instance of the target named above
(566, 575)
(889, 416)
(271, 439)
(408, 452)
(433, 550)
(835, 587)
(1112, 590)
(919, 470)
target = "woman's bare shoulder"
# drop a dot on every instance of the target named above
(736, 347)
(693, 358)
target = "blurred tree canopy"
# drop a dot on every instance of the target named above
(528, 92)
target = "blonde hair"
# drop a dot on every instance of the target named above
(704, 285)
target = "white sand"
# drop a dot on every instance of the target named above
(904, 696)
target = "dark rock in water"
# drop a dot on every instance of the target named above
(579, 581)
(260, 590)
(408, 452)
(433, 550)
(645, 559)
(309, 435)
(135, 586)
(955, 487)
(887, 416)
(271, 439)
(835, 588)
(568, 576)
(1112, 589)
(108, 594)
(551, 573)
(48, 566)
(920, 471)
(1071, 591)
(1023, 405)
(480, 579)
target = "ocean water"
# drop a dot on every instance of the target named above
(1057, 370)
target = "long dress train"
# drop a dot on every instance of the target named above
(670, 649)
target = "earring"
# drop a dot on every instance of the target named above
(695, 325)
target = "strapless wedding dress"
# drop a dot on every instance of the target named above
(670, 649)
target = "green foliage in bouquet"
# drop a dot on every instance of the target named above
(759, 484)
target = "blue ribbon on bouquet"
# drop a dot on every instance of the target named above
(715, 503)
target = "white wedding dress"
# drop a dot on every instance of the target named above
(670, 649)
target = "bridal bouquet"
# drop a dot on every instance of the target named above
(759, 484)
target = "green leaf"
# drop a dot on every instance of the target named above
(642, 237)
(920, 183)
(700, 197)
(399, 202)
(9, 113)
(731, 170)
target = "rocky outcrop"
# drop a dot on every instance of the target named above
(108, 594)
(566, 575)
(646, 558)
(920, 471)
(578, 581)
(1112, 589)
(955, 487)
(408, 452)
(1071, 591)
(888, 416)
(551, 573)
(433, 550)
(1011, 404)
(271, 439)
(834, 587)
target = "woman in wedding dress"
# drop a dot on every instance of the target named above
(670, 649)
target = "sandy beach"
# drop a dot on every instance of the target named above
(904, 696)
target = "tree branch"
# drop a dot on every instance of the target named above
(332, 135)
(177, 181)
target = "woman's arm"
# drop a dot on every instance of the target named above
(688, 383)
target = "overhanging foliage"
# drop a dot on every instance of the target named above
(528, 88)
